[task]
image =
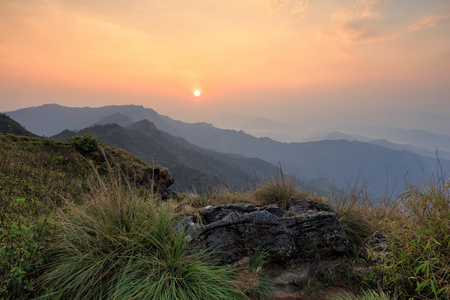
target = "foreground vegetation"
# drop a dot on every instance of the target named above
(119, 245)
(75, 225)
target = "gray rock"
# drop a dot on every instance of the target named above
(304, 232)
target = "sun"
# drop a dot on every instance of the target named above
(197, 93)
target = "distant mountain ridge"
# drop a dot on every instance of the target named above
(117, 118)
(418, 141)
(51, 119)
(337, 161)
(257, 126)
(416, 137)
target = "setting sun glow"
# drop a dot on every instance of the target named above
(314, 57)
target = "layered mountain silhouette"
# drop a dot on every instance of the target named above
(338, 161)
(192, 167)
(418, 141)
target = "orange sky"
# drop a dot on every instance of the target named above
(273, 58)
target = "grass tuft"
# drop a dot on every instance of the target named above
(194, 199)
(120, 246)
(228, 196)
(279, 189)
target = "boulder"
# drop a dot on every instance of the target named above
(307, 231)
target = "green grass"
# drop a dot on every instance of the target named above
(262, 287)
(36, 176)
(120, 246)
(418, 228)
(420, 243)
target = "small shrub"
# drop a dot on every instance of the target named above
(22, 243)
(86, 145)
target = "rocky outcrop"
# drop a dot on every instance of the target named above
(306, 231)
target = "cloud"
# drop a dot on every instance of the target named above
(300, 8)
(295, 7)
(274, 4)
(359, 10)
(427, 21)
(355, 24)
(357, 32)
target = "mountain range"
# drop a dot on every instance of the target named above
(415, 140)
(340, 162)
(191, 167)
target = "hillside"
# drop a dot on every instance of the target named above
(191, 166)
(8, 125)
(37, 178)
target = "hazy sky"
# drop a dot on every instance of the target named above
(282, 59)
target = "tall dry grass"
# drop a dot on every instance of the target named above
(360, 212)
(278, 189)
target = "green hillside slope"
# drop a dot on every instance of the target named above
(8, 125)
(39, 176)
